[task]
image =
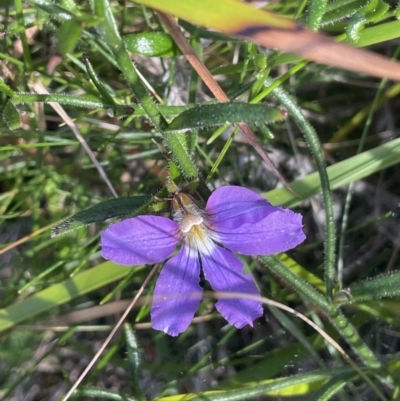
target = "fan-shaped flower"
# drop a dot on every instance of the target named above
(235, 219)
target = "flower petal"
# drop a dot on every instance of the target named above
(224, 272)
(178, 293)
(278, 232)
(143, 239)
(231, 206)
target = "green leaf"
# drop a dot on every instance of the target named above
(100, 212)
(342, 173)
(96, 393)
(302, 272)
(133, 360)
(303, 287)
(208, 115)
(97, 83)
(334, 385)
(61, 293)
(6, 89)
(11, 116)
(384, 285)
(386, 310)
(340, 11)
(299, 385)
(379, 33)
(76, 101)
(65, 12)
(151, 44)
(317, 10)
(53, 9)
(68, 35)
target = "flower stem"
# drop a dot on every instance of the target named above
(109, 31)
(313, 141)
(336, 317)
(176, 142)
(300, 285)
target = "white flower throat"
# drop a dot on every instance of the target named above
(192, 223)
(188, 221)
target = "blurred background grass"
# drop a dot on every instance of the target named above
(46, 175)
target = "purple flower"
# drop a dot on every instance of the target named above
(234, 220)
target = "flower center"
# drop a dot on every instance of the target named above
(192, 228)
(190, 220)
(195, 234)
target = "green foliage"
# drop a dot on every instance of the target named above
(384, 285)
(102, 211)
(211, 115)
(373, 11)
(151, 44)
(128, 93)
(69, 35)
(134, 361)
(358, 13)
(11, 116)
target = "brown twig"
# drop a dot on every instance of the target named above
(216, 90)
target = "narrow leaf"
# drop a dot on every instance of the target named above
(385, 285)
(100, 212)
(96, 393)
(53, 9)
(59, 294)
(68, 35)
(151, 44)
(133, 360)
(6, 89)
(379, 33)
(302, 272)
(334, 385)
(209, 115)
(342, 173)
(70, 100)
(97, 83)
(11, 116)
(299, 385)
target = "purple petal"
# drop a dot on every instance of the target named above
(143, 239)
(278, 232)
(230, 207)
(177, 294)
(224, 272)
